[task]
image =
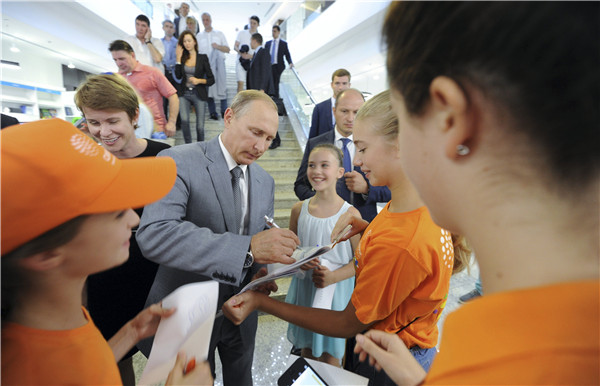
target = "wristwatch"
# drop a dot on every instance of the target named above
(149, 42)
(249, 259)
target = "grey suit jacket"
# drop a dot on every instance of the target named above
(189, 231)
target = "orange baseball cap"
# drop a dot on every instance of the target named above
(52, 173)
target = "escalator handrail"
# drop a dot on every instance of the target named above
(303, 85)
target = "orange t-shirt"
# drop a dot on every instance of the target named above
(39, 357)
(403, 268)
(546, 335)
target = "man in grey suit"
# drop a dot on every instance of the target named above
(211, 225)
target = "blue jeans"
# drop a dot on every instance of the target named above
(189, 96)
(424, 356)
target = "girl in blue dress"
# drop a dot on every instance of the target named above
(313, 220)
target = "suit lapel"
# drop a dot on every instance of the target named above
(221, 179)
(330, 114)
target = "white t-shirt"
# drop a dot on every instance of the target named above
(183, 23)
(206, 39)
(143, 54)
(244, 37)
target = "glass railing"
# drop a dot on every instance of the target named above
(298, 102)
(305, 14)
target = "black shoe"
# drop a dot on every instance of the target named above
(223, 114)
(214, 117)
(274, 145)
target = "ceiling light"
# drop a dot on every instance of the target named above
(71, 65)
(14, 48)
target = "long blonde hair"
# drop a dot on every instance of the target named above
(379, 109)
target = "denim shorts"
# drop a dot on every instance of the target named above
(424, 356)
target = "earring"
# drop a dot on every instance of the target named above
(462, 150)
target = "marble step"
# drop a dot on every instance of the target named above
(269, 163)
(285, 200)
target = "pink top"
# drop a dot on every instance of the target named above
(152, 86)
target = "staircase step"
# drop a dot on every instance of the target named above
(269, 163)
(282, 217)
(288, 173)
(284, 185)
(285, 200)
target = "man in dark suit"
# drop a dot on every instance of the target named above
(354, 186)
(181, 20)
(259, 76)
(323, 119)
(278, 49)
(198, 233)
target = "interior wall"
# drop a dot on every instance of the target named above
(348, 35)
(36, 70)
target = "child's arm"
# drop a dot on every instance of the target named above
(294, 215)
(142, 326)
(341, 324)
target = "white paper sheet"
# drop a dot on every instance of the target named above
(334, 376)
(302, 256)
(188, 329)
(324, 296)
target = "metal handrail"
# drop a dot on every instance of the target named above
(303, 85)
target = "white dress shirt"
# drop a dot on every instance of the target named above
(340, 145)
(143, 54)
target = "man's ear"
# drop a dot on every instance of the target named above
(43, 261)
(227, 117)
(453, 113)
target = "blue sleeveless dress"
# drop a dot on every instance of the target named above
(313, 231)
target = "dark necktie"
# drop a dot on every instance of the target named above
(236, 173)
(346, 153)
(273, 52)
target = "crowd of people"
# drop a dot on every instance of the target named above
(185, 69)
(487, 139)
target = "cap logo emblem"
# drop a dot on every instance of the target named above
(87, 147)
(84, 145)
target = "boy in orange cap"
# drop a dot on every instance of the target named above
(66, 213)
